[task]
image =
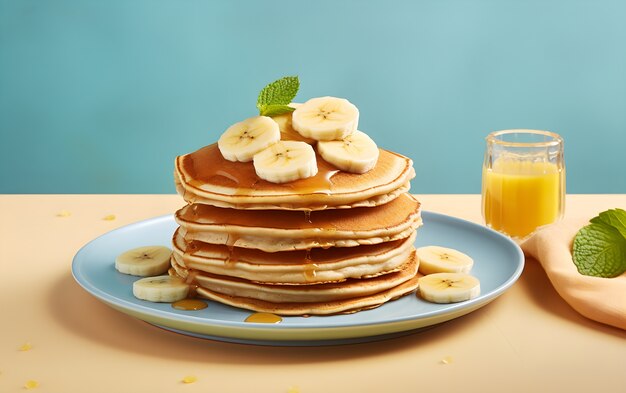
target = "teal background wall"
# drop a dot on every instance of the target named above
(100, 96)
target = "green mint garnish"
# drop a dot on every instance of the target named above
(613, 217)
(275, 98)
(600, 248)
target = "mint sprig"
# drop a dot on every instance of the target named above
(275, 98)
(600, 248)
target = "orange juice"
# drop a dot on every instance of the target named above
(519, 196)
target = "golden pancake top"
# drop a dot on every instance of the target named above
(204, 176)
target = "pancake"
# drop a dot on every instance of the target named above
(346, 306)
(369, 202)
(336, 301)
(308, 294)
(205, 177)
(277, 230)
(300, 267)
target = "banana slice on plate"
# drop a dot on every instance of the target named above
(355, 153)
(241, 141)
(325, 118)
(435, 259)
(163, 289)
(144, 261)
(448, 287)
(286, 161)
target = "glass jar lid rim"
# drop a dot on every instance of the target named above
(555, 139)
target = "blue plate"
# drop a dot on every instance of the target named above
(498, 263)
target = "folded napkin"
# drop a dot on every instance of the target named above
(600, 299)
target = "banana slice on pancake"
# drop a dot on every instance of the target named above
(448, 287)
(326, 118)
(286, 161)
(241, 141)
(355, 153)
(287, 133)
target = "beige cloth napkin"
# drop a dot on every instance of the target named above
(600, 299)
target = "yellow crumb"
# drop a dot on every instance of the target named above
(26, 347)
(31, 384)
(447, 360)
(189, 379)
(64, 213)
(293, 389)
(109, 217)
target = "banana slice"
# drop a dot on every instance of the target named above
(435, 259)
(284, 120)
(160, 289)
(286, 161)
(326, 118)
(355, 153)
(144, 261)
(448, 287)
(241, 141)
(285, 125)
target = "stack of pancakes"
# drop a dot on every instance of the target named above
(336, 242)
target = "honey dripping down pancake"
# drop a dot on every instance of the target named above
(298, 213)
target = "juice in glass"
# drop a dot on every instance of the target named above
(523, 181)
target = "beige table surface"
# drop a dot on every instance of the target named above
(528, 340)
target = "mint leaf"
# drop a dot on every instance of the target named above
(613, 217)
(276, 96)
(279, 92)
(600, 251)
(275, 110)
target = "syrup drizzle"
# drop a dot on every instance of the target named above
(233, 252)
(321, 183)
(309, 271)
(263, 317)
(192, 282)
(191, 247)
(189, 305)
(309, 267)
(227, 175)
